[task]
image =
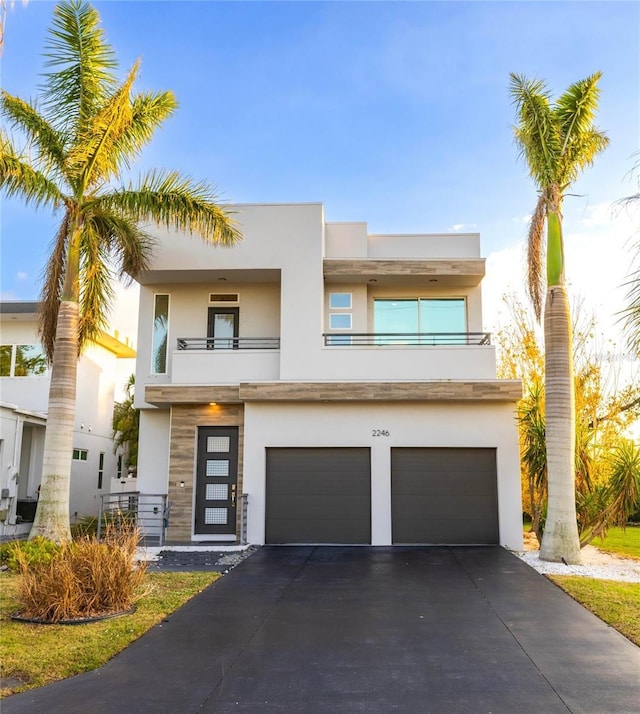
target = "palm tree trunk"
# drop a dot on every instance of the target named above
(560, 539)
(52, 513)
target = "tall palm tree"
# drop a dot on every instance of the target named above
(557, 141)
(90, 129)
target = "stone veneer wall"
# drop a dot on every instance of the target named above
(185, 418)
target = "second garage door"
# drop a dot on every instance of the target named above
(444, 496)
(318, 495)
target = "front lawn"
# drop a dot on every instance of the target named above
(618, 604)
(622, 542)
(41, 654)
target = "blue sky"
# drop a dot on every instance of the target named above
(394, 113)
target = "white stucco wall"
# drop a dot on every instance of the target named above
(153, 451)
(489, 425)
(293, 240)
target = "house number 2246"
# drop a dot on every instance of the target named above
(380, 432)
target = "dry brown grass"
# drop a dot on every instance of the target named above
(87, 578)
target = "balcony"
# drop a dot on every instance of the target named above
(408, 339)
(228, 343)
(225, 360)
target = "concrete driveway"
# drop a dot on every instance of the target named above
(361, 629)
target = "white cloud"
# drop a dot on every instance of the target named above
(598, 262)
(457, 227)
(21, 275)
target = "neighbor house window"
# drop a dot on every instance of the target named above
(22, 361)
(119, 468)
(411, 316)
(80, 454)
(100, 469)
(160, 334)
(5, 360)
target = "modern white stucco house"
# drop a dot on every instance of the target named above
(335, 383)
(24, 392)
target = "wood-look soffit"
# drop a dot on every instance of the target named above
(472, 270)
(490, 390)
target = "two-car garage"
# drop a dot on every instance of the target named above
(438, 495)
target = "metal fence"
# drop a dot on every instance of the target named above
(228, 343)
(149, 512)
(405, 339)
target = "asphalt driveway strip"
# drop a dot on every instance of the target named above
(365, 629)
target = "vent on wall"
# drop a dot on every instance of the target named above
(223, 297)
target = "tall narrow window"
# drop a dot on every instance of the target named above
(160, 334)
(119, 466)
(100, 469)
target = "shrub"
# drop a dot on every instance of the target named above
(85, 526)
(88, 525)
(32, 552)
(85, 578)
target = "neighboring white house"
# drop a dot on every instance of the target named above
(335, 383)
(24, 392)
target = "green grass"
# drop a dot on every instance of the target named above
(41, 654)
(618, 604)
(622, 542)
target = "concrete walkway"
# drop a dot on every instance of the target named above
(336, 629)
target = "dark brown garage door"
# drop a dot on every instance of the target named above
(444, 496)
(318, 495)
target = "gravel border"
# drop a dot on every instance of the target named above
(596, 564)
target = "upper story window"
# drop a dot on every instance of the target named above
(340, 321)
(80, 454)
(22, 361)
(420, 315)
(340, 301)
(160, 334)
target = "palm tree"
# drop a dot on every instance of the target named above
(89, 131)
(557, 140)
(126, 425)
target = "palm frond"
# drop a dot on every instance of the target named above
(631, 313)
(536, 136)
(49, 144)
(81, 65)
(580, 153)
(177, 203)
(575, 109)
(536, 256)
(624, 483)
(19, 178)
(52, 283)
(91, 159)
(96, 289)
(130, 247)
(148, 112)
